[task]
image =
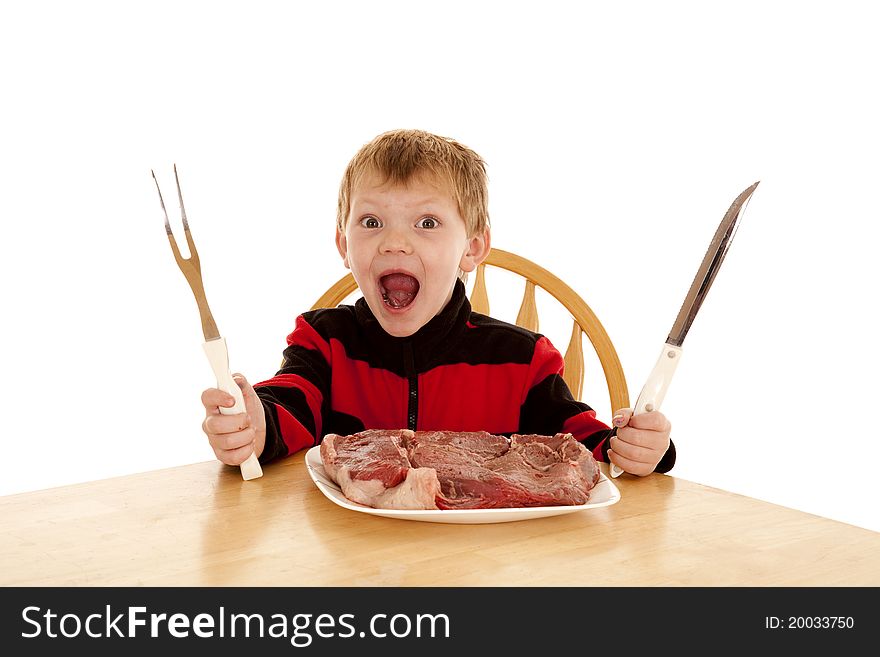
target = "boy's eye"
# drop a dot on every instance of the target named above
(428, 222)
(370, 222)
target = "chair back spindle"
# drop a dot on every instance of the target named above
(527, 317)
(479, 295)
(574, 362)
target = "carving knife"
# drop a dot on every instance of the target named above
(654, 390)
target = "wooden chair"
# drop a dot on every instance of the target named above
(585, 321)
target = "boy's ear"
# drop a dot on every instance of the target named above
(477, 251)
(342, 247)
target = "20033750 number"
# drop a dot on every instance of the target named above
(809, 622)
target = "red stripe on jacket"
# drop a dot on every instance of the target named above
(386, 406)
(293, 433)
(583, 425)
(313, 396)
(484, 396)
(306, 336)
(546, 361)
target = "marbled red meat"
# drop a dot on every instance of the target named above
(459, 470)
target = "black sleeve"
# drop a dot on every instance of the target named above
(295, 400)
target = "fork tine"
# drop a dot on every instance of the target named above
(194, 255)
(171, 239)
(180, 198)
(162, 202)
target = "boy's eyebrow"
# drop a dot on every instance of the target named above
(367, 200)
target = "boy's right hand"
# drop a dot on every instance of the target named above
(234, 437)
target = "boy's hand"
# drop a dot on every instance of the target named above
(641, 441)
(234, 437)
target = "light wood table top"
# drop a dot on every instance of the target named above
(202, 525)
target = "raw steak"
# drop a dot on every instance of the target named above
(371, 468)
(459, 470)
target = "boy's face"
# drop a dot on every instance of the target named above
(404, 245)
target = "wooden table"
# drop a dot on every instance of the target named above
(202, 525)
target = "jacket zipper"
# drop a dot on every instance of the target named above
(412, 414)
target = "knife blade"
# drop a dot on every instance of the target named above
(651, 396)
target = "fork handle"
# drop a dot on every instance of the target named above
(218, 356)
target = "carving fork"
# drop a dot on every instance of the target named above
(215, 345)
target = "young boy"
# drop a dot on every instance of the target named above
(412, 217)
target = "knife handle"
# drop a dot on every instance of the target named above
(218, 357)
(655, 387)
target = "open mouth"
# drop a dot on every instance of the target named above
(398, 290)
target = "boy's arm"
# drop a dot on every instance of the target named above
(549, 408)
(295, 398)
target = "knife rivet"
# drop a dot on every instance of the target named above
(671, 354)
(649, 407)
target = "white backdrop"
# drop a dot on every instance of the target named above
(616, 135)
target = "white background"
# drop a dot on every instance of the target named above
(616, 136)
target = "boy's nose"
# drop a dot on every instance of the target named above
(395, 241)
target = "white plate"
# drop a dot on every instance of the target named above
(605, 493)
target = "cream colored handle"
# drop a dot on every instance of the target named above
(218, 356)
(655, 387)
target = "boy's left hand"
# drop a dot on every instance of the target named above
(641, 441)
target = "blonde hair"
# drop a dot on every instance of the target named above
(401, 155)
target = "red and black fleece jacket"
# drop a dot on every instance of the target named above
(462, 371)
